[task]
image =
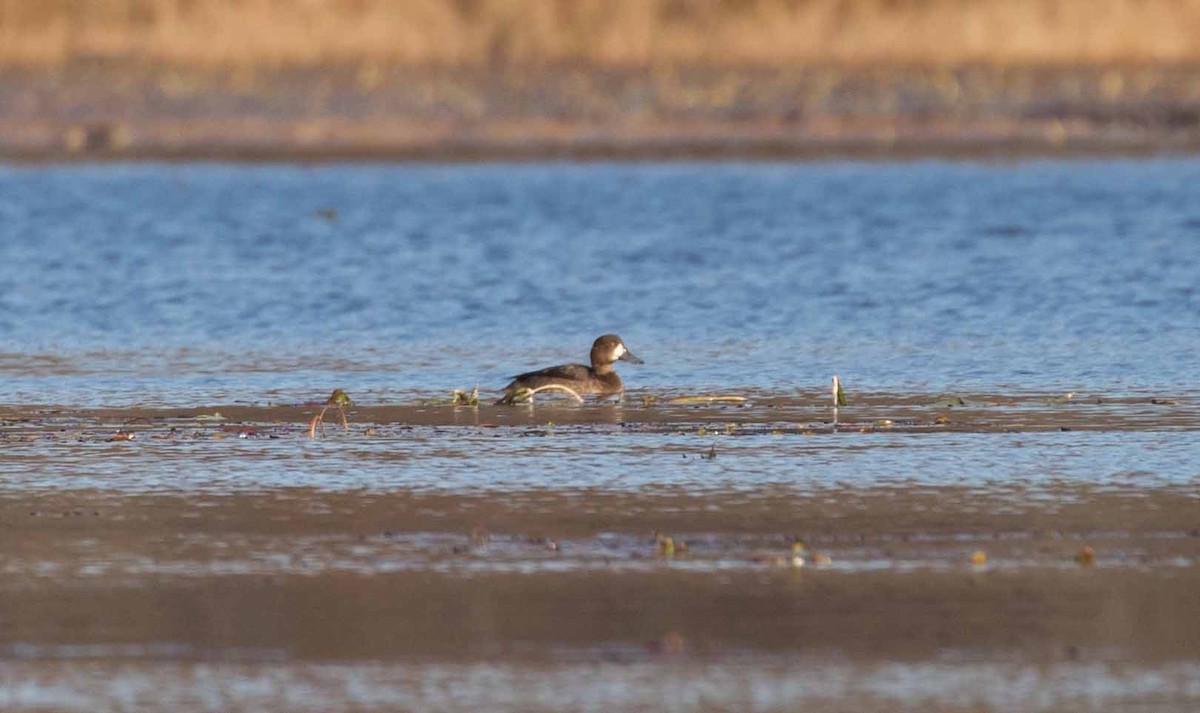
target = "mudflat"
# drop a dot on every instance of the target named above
(140, 569)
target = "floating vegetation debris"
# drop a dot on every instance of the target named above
(949, 402)
(462, 398)
(1064, 399)
(549, 543)
(673, 644)
(978, 558)
(665, 546)
(839, 395)
(525, 395)
(794, 559)
(713, 399)
(240, 431)
(712, 453)
(339, 400)
(1086, 556)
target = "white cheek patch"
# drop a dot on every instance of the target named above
(618, 351)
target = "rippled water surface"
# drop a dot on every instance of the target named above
(1005, 517)
(179, 284)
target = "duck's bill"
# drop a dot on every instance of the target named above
(629, 357)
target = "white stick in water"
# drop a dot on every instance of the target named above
(523, 396)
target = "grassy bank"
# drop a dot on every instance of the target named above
(599, 32)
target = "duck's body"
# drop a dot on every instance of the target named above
(577, 377)
(599, 378)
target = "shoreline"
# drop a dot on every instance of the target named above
(750, 150)
(117, 111)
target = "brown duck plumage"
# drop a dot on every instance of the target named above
(599, 378)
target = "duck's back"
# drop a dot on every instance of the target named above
(577, 376)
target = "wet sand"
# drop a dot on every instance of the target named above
(521, 592)
(382, 600)
(740, 412)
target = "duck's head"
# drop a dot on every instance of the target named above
(609, 349)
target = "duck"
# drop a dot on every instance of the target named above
(576, 379)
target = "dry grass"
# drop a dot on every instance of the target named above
(599, 32)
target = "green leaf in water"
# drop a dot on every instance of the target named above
(839, 396)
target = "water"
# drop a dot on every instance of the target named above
(481, 461)
(185, 284)
(175, 539)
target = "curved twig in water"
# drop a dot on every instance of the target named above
(720, 398)
(523, 395)
(339, 400)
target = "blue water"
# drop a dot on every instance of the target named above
(185, 284)
(1026, 469)
(152, 566)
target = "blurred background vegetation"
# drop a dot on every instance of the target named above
(600, 32)
(397, 74)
